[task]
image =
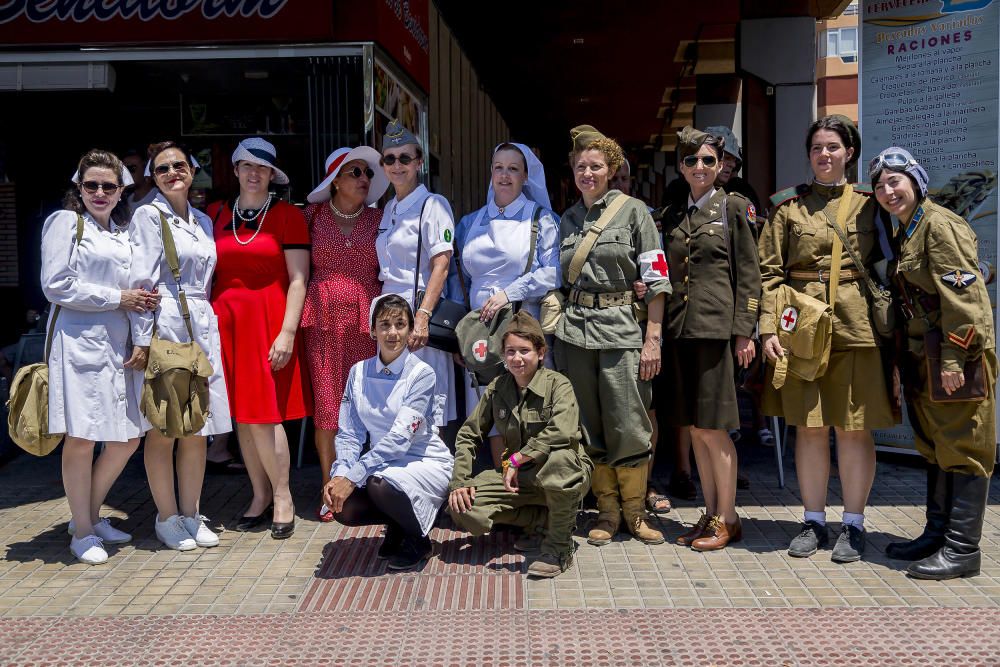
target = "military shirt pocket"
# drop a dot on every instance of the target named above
(709, 244)
(535, 420)
(612, 255)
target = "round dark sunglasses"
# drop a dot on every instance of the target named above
(357, 171)
(180, 167)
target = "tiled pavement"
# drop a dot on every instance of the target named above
(320, 598)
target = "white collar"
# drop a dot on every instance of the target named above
(160, 202)
(396, 367)
(700, 204)
(406, 203)
(112, 226)
(509, 211)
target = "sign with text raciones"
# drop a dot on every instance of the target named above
(930, 83)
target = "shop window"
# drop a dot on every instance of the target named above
(839, 42)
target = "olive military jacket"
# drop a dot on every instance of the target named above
(938, 255)
(629, 249)
(544, 418)
(716, 289)
(799, 237)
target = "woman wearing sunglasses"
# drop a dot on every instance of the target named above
(342, 284)
(711, 314)
(941, 284)
(796, 247)
(260, 284)
(95, 370)
(415, 214)
(179, 523)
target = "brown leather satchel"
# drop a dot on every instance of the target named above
(974, 388)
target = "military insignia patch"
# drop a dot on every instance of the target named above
(752, 305)
(415, 425)
(962, 341)
(958, 279)
(447, 235)
(653, 265)
(479, 349)
(751, 215)
(789, 319)
(503, 413)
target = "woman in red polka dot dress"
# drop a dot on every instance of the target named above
(344, 280)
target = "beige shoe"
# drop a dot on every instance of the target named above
(604, 484)
(632, 486)
(548, 566)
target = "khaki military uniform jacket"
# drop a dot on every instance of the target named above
(629, 249)
(709, 301)
(938, 256)
(546, 417)
(799, 237)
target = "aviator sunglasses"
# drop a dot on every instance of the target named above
(357, 171)
(390, 160)
(180, 167)
(691, 161)
(91, 187)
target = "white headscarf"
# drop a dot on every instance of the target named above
(534, 187)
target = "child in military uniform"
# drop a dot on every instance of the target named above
(545, 470)
(948, 325)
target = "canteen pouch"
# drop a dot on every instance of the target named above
(175, 392)
(551, 311)
(480, 343)
(808, 343)
(28, 405)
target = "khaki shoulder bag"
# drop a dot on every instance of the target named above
(28, 405)
(175, 393)
(554, 302)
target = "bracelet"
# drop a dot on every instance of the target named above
(514, 462)
(425, 312)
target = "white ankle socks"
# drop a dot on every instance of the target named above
(856, 520)
(817, 517)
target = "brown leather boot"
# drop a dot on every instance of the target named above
(604, 484)
(632, 486)
(697, 530)
(718, 534)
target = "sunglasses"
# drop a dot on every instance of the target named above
(691, 161)
(163, 169)
(404, 159)
(91, 187)
(893, 161)
(357, 171)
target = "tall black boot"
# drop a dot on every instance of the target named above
(938, 508)
(960, 555)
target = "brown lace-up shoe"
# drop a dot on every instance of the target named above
(717, 535)
(697, 530)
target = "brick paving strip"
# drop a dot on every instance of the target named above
(703, 637)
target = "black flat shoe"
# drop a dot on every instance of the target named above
(247, 523)
(282, 531)
(412, 552)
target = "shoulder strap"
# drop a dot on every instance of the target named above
(170, 252)
(420, 245)
(55, 312)
(534, 238)
(839, 240)
(855, 257)
(590, 238)
(780, 197)
(726, 239)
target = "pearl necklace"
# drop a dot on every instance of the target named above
(262, 213)
(346, 216)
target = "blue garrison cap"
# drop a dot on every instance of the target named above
(397, 135)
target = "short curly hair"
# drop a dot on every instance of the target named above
(613, 153)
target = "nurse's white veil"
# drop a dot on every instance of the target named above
(534, 187)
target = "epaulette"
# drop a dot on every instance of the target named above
(779, 198)
(863, 188)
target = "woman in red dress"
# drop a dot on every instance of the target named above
(344, 281)
(260, 284)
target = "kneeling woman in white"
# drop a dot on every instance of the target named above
(94, 378)
(173, 170)
(402, 480)
(494, 242)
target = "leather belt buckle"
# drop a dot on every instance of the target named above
(581, 298)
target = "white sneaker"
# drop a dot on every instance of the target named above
(104, 530)
(197, 529)
(89, 550)
(173, 534)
